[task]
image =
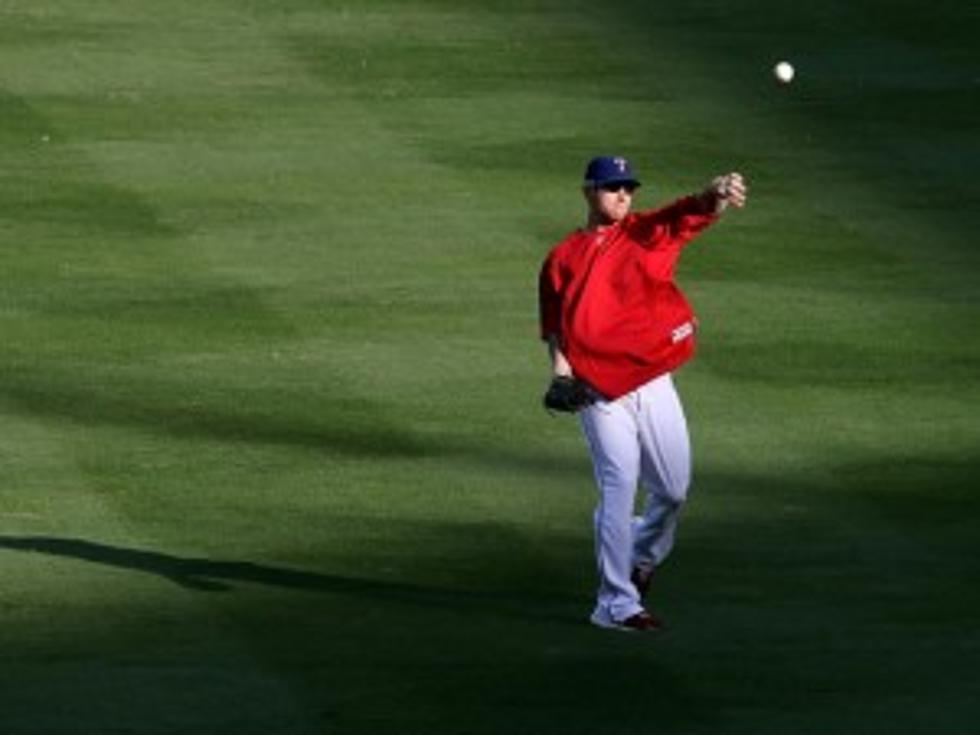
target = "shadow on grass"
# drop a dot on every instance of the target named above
(351, 426)
(348, 425)
(198, 574)
(427, 660)
(796, 596)
(206, 575)
(209, 575)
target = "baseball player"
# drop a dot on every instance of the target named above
(617, 326)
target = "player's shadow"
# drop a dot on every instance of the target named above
(206, 575)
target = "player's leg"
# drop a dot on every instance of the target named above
(610, 430)
(665, 471)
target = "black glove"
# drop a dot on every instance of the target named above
(567, 395)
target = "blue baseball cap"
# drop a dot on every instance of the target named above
(604, 170)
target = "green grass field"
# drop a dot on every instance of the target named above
(273, 459)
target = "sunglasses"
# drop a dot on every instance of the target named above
(614, 186)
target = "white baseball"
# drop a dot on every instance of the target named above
(784, 72)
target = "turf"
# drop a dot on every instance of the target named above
(273, 460)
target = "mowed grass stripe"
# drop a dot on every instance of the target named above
(99, 408)
(133, 408)
(110, 218)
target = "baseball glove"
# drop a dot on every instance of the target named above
(566, 395)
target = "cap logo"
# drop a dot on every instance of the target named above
(620, 164)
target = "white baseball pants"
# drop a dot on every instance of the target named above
(639, 439)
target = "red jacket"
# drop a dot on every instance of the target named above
(610, 297)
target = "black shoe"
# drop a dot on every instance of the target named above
(641, 622)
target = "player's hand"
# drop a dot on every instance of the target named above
(728, 189)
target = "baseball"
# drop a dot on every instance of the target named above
(784, 72)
